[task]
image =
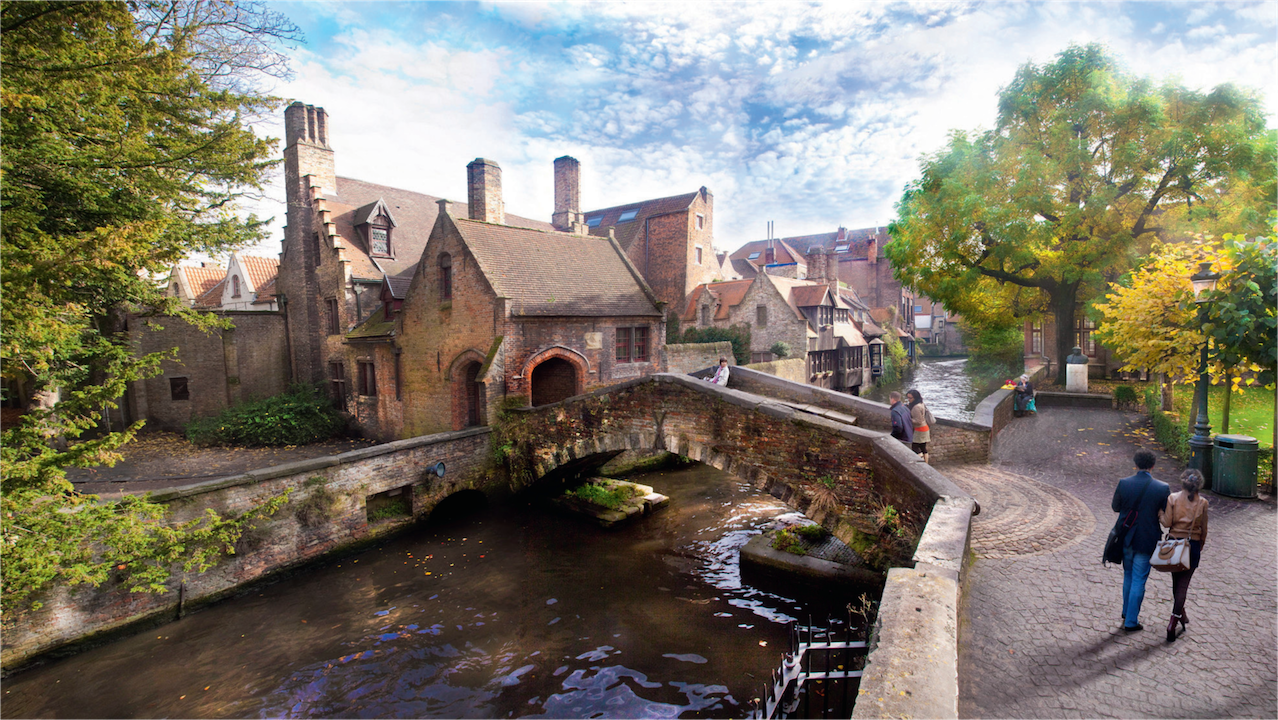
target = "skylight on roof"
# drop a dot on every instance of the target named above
(840, 248)
(754, 256)
(627, 216)
(594, 221)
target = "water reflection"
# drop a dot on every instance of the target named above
(515, 612)
(950, 388)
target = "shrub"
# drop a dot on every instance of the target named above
(395, 508)
(302, 415)
(738, 335)
(787, 541)
(780, 350)
(610, 496)
(812, 533)
(318, 504)
(1168, 429)
(1125, 395)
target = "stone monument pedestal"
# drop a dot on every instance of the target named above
(1076, 378)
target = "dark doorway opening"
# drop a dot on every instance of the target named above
(473, 415)
(553, 381)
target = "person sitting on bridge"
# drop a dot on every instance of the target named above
(902, 425)
(720, 376)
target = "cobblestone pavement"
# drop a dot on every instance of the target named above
(1040, 634)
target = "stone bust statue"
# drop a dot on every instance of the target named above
(1077, 357)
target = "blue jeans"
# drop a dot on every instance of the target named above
(1135, 573)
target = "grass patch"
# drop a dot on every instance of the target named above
(788, 541)
(393, 509)
(812, 533)
(611, 496)
(1251, 413)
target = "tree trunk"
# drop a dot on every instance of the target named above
(1063, 301)
(1165, 389)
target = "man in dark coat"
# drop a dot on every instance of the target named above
(902, 425)
(1137, 500)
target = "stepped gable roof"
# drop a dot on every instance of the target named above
(414, 214)
(729, 293)
(627, 232)
(261, 271)
(200, 279)
(556, 274)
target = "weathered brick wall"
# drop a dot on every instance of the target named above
(783, 325)
(685, 358)
(222, 367)
(351, 477)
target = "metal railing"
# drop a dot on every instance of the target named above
(818, 664)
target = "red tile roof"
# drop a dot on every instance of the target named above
(729, 294)
(200, 279)
(261, 271)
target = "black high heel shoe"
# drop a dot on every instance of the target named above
(1171, 627)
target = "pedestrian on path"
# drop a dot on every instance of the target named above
(720, 376)
(1185, 517)
(1138, 500)
(902, 425)
(921, 419)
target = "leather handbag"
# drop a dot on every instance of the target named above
(1172, 554)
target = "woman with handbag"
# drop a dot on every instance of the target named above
(1185, 517)
(922, 420)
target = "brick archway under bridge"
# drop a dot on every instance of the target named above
(778, 447)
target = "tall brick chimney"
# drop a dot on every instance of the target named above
(484, 181)
(567, 217)
(816, 259)
(307, 152)
(872, 248)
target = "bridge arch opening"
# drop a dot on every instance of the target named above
(553, 380)
(459, 505)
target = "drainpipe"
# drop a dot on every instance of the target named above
(288, 336)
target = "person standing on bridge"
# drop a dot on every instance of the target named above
(1138, 500)
(921, 418)
(902, 425)
(720, 376)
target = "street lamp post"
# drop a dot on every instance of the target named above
(1204, 282)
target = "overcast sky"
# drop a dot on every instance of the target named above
(810, 115)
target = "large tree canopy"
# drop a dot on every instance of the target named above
(125, 148)
(1085, 168)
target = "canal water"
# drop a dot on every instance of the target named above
(950, 388)
(509, 611)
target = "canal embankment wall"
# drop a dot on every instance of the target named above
(328, 511)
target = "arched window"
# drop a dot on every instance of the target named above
(445, 276)
(235, 286)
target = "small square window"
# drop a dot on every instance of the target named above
(178, 389)
(840, 248)
(594, 221)
(754, 256)
(626, 216)
(698, 254)
(701, 221)
(379, 240)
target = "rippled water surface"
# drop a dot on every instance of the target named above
(949, 388)
(513, 611)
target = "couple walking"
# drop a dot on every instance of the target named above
(911, 424)
(1143, 503)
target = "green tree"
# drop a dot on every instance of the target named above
(1244, 310)
(1084, 169)
(125, 148)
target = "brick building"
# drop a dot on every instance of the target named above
(809, 315)
(422, 315)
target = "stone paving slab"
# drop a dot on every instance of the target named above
(1040, 636)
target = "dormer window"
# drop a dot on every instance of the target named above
(594, 221)
(379, 237)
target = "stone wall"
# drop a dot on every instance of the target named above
(350, 479)
(220, 367)
(686, 358)
(792, 369)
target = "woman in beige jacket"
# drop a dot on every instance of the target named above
(1185, 516)
(922, 419)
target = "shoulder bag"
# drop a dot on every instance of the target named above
(1114, 544)
(1172, 554)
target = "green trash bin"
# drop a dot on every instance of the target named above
(1233, 466)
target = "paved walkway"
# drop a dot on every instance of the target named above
(1040, 633)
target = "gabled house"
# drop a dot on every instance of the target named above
(189, 282)
(808, 316)
(496, 312)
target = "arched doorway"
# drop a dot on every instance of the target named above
(474, 415)
(553, 380)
